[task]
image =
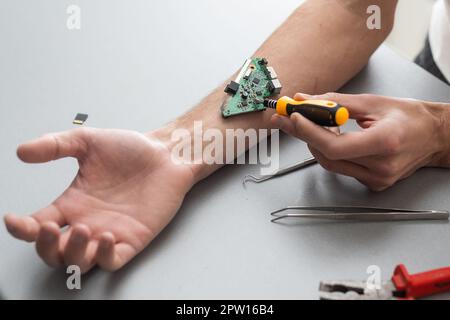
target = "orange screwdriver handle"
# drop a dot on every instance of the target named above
(321, 112)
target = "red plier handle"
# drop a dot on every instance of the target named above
(421, 284)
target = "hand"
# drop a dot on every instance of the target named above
(126, 191)
(398, 137)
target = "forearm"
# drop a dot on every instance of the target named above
(317, 49)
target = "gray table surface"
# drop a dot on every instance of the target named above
(120, 67)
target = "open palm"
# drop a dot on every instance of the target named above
(126, 191)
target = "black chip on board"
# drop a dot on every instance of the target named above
(232, 87)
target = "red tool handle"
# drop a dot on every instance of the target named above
(421, 284)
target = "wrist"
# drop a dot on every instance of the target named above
(175, 144)
(163, 135)
(441, 112)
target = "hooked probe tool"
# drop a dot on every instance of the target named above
(322, 112)
(297, 166)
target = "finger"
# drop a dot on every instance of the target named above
(283, 123)
(372, 162)
(365, 123)
(337, 147)
(50, 213)
(106, 255)
(391, 167)
(54, 146)
(288, 126)
(348, 168)
(111, 256)
(335, 130)
(27, 228)
(23, 228)
(409, 173)
(47, 244)
(343, 167)
(408, 170)
(75, 250)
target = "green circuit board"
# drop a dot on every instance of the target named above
(255, 82)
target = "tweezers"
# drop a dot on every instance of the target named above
(359, 213)
(280, 172)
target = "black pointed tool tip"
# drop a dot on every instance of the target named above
(267, 103)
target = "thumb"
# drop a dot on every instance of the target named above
(54, 146)
(303, 96)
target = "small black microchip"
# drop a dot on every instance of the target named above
(80, 118)
(232, 87)
(256, 81)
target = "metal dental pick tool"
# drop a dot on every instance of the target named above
(355, 213)
(280, 172)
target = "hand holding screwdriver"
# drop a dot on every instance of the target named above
(397, 137)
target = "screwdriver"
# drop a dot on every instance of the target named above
(321, 112)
